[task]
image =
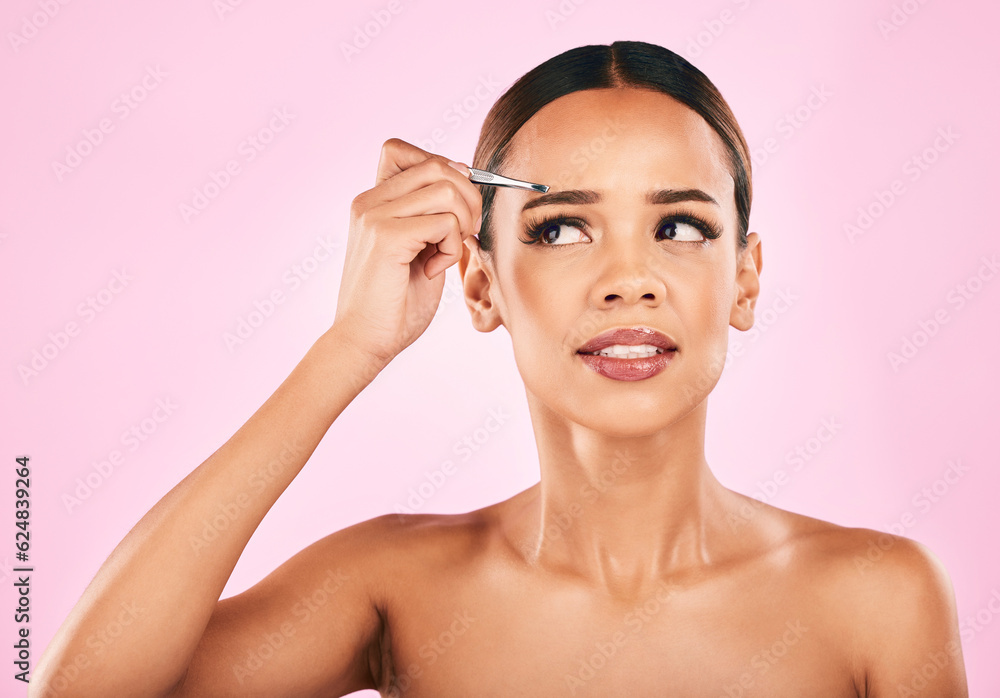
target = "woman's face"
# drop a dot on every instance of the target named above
(616, 264)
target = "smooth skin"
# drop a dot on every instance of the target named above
(627, 570)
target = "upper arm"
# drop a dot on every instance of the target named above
(310, 628)
(911, 632)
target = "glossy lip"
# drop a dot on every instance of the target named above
(632, 336)
(628, 369)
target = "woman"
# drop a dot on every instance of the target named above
(628, 569)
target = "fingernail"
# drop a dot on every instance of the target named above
(460, 167)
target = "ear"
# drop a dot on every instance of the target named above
(748, 268)
(477, 276)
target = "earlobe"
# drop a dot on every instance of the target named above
(750, 264)
(477, 287)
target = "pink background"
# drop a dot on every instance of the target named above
(214, 80)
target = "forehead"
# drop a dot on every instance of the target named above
(624, 141)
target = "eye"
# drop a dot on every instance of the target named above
(688, 227)
(682, 226)
(549, 232)
(680, 230)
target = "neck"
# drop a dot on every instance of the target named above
(623, 512)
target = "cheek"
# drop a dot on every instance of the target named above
(706, 308)
(544, 308)
(533, 290)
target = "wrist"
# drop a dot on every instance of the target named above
(338, 344)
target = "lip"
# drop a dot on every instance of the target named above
(630, 336)
(628, 369)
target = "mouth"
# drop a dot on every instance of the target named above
(629, 343)
(629, 353)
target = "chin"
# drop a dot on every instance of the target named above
(630, 421)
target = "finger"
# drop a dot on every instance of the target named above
(440, 196)
(398, 155)
(405, 238)
(434, 169)
(449, 251)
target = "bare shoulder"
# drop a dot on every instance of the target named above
(318, 623)
(420, 538)
(404, 555)
(870, 566)
(871, 569)
(862, 550)
(895, 601)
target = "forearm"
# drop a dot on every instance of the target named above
(170, 570)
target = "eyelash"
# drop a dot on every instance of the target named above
(534, 229)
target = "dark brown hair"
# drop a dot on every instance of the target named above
(621, 64)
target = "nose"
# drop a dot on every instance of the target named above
(626, 276)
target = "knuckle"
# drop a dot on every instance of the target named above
(449, 190)
(358, 206)
(451, 201)
(455, 193)
(364, 219)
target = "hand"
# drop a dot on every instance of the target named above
(404, 233)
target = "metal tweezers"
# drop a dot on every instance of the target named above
(484, 177)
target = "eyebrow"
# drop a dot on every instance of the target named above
(589, 196)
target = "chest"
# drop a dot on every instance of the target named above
(489, 638)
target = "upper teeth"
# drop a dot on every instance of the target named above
(628, 351)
